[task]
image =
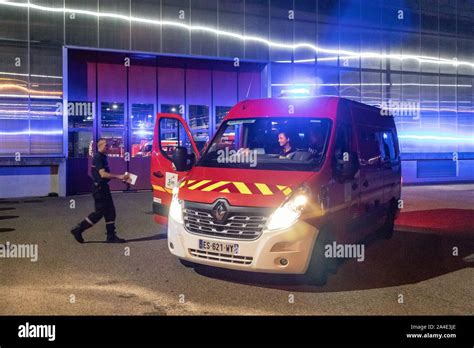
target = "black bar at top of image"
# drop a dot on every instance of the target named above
(208, 330)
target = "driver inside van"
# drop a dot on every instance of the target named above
(285, 144)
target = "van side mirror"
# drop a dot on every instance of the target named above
(180, 158)
(347, 166)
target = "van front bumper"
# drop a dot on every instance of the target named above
(265, 254)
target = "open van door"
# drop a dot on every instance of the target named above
(171, 132)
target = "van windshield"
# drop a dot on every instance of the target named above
(278, 143)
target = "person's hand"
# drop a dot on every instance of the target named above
(121, 177)
(126, 178)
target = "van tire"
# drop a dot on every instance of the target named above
(386, 231)
(186, 263)
(319, 266)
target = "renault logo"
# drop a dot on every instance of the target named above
(219, 211)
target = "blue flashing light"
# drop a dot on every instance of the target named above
(296, 92)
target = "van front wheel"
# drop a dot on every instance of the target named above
(319, 265)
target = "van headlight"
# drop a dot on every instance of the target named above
(176, 207)
(289, 212)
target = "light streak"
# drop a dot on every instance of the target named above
(28, 90)
(369, 84)
(244, 38)
(26, 75)
(33, 132)
(437, 138)
(23, 96)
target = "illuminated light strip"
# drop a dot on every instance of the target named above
(23, 82)
(370, 55)
(34, 132)
(32, 105)
(27, 97)
(244, 38)
(368, 84)
(324, 59)
(32, 75)
(435, 137)
(441, 109)
(14, 112)
(30, 91)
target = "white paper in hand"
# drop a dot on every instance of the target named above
(132, 178)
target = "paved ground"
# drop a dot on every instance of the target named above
(99, 278)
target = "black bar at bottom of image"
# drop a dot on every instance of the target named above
(209, 330)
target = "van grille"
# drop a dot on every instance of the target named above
(237, 226)
(228, 258)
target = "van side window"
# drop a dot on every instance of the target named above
(173, 134)
(387, 145)
(369, 147)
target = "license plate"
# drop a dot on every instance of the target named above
(219, 247)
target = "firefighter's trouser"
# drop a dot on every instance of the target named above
(104, 207)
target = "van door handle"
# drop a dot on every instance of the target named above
(354, 186)
(365, 183)
(158, 174)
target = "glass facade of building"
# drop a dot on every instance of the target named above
(414, 57)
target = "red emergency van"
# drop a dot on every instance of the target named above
(280, 180)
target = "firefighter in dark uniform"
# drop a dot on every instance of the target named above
(104, 205)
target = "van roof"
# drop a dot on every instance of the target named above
(324, 107)
(279, 107)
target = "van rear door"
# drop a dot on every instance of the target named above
(390, 164)
(170, 131)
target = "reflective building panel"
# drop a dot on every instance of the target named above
(192, 57)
